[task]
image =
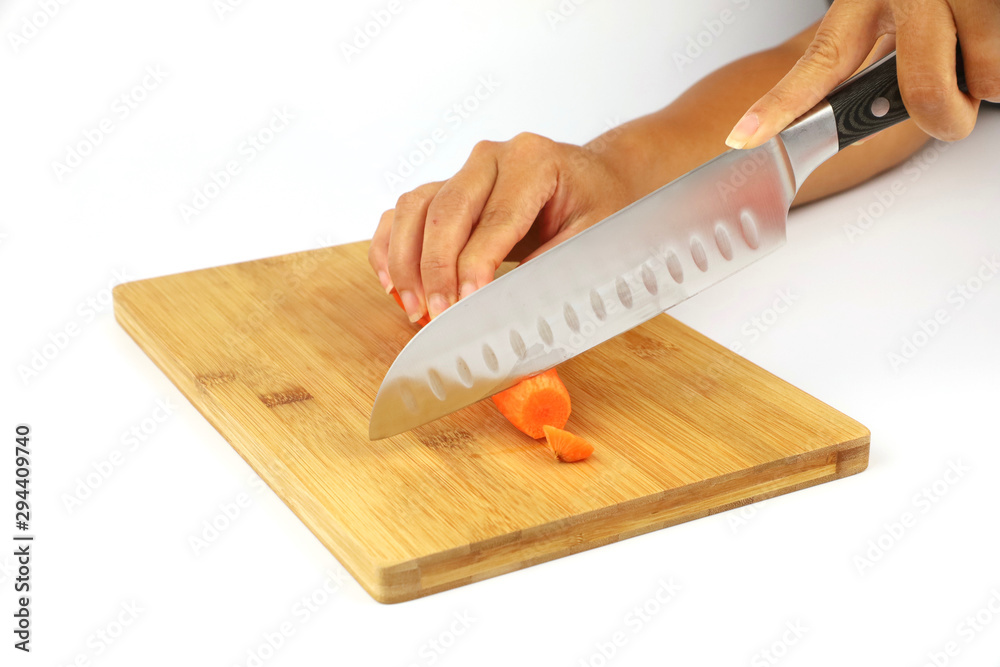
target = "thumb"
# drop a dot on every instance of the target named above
(842, 40)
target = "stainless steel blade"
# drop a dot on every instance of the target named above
(612, 277)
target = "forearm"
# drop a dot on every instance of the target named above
(653, 150)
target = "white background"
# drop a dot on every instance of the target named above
(856, 294)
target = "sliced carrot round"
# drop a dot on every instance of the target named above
(566, 446)
(532, 404)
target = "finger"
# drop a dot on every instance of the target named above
(450, 218)
(979, 34)
(526, 180)
(378, 250)
(405, 242)
(842, 40)
(925, 66)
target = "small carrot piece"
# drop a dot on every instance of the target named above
(567, 447)
(532, 404)
(422, 321)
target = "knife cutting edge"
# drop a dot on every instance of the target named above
(630, 267)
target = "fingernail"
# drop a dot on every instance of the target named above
(386, 281)
(411, 305)
(466, 289)
(744, 129)
(436, 304)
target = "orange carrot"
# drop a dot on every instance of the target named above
(567, 447)
(534, 403)
(422, 321)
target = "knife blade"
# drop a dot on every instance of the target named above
(630, 267)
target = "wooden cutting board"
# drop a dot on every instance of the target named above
(284, 357)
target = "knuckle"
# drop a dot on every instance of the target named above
(428, 190)
(470, 264)
(385, 222)
(410, 202)
(449, 202)
(530, 143)
(981, 57)
(498, 214)
(483, 146)
(777, 98)
(929, 107)
(823, 53)
(962, 132)
(959, 127)
(925, 97)
(434, 262)
(984, 86)
(954, 132)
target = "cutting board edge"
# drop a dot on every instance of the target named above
(403, 581)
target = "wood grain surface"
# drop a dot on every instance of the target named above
(284, 357)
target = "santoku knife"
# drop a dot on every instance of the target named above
(631, 266)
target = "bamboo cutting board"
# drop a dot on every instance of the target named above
(284, 357)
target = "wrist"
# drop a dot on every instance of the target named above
(638, 153)
(623, 153)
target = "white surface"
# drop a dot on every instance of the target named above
(743, 575)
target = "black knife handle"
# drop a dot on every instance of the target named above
(870, 101)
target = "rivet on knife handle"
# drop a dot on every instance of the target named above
(871, 101)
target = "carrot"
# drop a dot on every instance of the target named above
(567, 447)
(422, 321)
(534, 403)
